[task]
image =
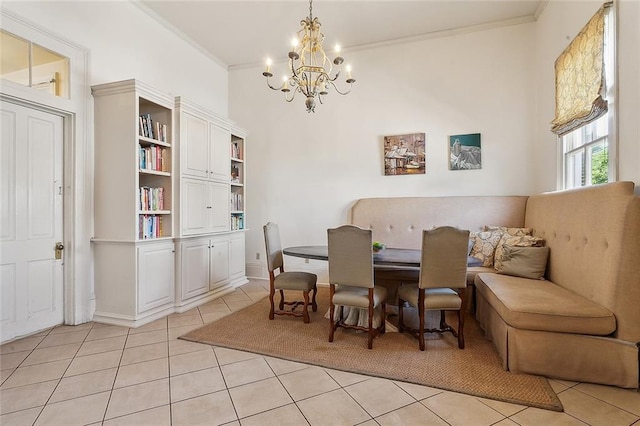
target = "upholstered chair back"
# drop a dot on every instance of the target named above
(273, 246)
(350, 256)
(444, 258)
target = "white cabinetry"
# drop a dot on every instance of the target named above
(133, 243)
(210, 223)
(204, 147)
(155, 275)
(236, 253)
(204, 207)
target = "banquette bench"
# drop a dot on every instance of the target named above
(582, 322)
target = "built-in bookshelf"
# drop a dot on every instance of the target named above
(210, 174)
(237, 183)
(154, 169)
(133, 243)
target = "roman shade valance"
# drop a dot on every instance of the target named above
(580, 82)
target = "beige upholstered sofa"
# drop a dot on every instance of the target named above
(581, 323)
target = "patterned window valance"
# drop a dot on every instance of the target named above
(580, 78)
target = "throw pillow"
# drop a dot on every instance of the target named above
(484, 246)
(510, 231)
(526, 262)
(516, 241)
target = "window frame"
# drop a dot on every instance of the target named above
(611, 91)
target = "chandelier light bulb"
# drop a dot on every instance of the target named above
(337, 49)
(285, 84)
(267, 72)
(348, 71)
(294, 42)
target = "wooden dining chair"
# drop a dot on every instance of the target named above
(285, 281)
(443, 270)
(351, 279)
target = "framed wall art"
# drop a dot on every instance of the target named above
(404, 154)
(464, 152)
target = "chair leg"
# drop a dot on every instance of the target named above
(443, 322)
(400, 315)
(314, 305)
(460, 329)
(384, 318)
(370, 344)
(421, 320)
(272, 292)
(305, 311)
(461, 313)
(281, 300)
(332, 289)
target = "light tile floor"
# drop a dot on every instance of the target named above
(96, 374)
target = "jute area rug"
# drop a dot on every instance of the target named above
(475, 370)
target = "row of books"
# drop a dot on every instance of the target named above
(151, 198)
(149, 226)
(236, 201)
(149, 129)
(237, 222)
(153, 158)
(236, 152)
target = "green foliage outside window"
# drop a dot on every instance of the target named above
(600, 167)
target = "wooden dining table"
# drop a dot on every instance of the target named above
(397, 257)
(402, 264)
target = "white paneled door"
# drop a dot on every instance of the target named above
(31, 170)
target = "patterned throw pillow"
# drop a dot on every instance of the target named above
(510, 231)
(514, 241)
(484, 246)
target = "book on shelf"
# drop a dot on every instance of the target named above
(237, 222)
(236, 201)
(153, 158)
(235, 151)
(149, 226)
(150, 199)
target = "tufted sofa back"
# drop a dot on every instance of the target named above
(398, 222)
(594, 236)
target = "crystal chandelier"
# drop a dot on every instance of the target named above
(309, 67)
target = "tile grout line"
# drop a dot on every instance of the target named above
(575, 387)
(63, 373)
(115, 377)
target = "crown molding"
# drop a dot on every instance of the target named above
(414, 39)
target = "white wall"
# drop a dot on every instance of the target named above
(124, 42)
(629, 91)
(556, 27)
(306, 170)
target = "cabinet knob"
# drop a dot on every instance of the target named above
(208, 207)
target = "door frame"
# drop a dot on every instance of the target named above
(79, 297)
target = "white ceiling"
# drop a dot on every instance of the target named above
(241, 33)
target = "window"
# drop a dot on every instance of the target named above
(31, 65)
(586, 154)
(585, 103)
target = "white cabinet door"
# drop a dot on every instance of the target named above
(196, 207)
(219, 266)
(194, 150)
(236, 251)
(155, 275)
(194, 264)
(220, 202)
(220, 152)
